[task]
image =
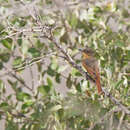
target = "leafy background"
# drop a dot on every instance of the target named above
(39, 89)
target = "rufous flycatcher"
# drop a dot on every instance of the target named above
(90, 63)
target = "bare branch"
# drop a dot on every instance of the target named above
(17, 78)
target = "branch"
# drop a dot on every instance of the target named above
(71, 61)
(18, 78)
(115, 101)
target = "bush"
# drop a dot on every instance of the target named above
(42, 83)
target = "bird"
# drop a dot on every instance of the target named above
(90, 64)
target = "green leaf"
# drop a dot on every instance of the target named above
(1, 65)
(22, 96)
(61, 113)
(34, 52)
(17, 61)
(7, 43)
(125, 13)
(55, 108)
(13, 85)
(78, 87)
(97, 9)
(127, 57)
(4, 105)
(39, 45)
(57, 78)
(73, 20)
(22, 23)
(118, 83)
(49, 81)
(75, 72)
(2, 87)
(50, 71)
(44, 89)
(19, 41)
(54, 64)
(5, 57)
(3, 33)
(27, 104)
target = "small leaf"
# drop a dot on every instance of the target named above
(34, 52)
(69, 82)
(78, 87)
(7, 43)
(21, 96)
(73, 20)
(22, 23)
(17, 61)
(55, 108)
(19, 41)
(57, 78)
(118, 83)
(3, 33)
(54, 64)
(2, 87)
(61, 113)
(39, 45)
(127, 57)
(49, 81)
(13, 85)
(97, 9)
(75, 72)
(1, 65)
(4, 105)
(44, 89)
(27, 104)
(50, 71)
(5, 57)
(125, 13)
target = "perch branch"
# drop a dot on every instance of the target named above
(71, 61)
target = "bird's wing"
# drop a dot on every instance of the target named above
(90, 69)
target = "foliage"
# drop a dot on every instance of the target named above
(39, 89)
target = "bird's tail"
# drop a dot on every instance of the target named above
(98, 82)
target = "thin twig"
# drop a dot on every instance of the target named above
(111, 121)
(121, 120)
(32, 78)
(17, 78)
(115, 101)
